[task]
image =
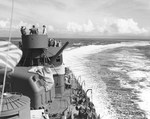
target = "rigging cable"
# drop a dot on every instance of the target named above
(10, 33)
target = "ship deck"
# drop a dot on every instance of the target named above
(60, 105)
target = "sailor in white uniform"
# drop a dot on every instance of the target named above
(44, 29)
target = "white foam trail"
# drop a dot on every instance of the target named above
(139, 71)
(77, 61)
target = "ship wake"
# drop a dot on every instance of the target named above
(110, 71)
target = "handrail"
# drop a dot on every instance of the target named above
(79, 79)
(83, 82)
(87, 96)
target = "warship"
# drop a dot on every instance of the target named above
(41, 86)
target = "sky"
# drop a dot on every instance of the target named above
(77, 18)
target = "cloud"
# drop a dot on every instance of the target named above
(50, 28)
(121, 26)
(108, 26)
(75, 27)
(22, 23)
(4, 24)
(129, 26)
(88, 27)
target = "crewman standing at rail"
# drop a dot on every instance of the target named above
(33, 30)
(44, 29)
(23, 30)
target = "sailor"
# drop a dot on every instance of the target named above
(67, 82)
(33, 30)
(58, 44)
(82, 111)
(44, 29)
(55, 43)
(52, 42)
(23, 30)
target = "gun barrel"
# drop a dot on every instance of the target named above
(59, 52)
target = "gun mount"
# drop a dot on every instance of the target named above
(36, 51)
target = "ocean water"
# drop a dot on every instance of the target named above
(118, 74)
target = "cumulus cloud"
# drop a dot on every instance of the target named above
(129, 26)
(121, 26)
(22, 23)
(50, 28)
(4, 24)
(108, 26)
(88, 27)
(75, 27)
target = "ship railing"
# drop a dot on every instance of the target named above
(76, 93)
(83, 83)
(87, 96)
(79, 79)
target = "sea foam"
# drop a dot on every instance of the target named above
(76, 59)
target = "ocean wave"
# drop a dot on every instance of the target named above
(79, 62)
